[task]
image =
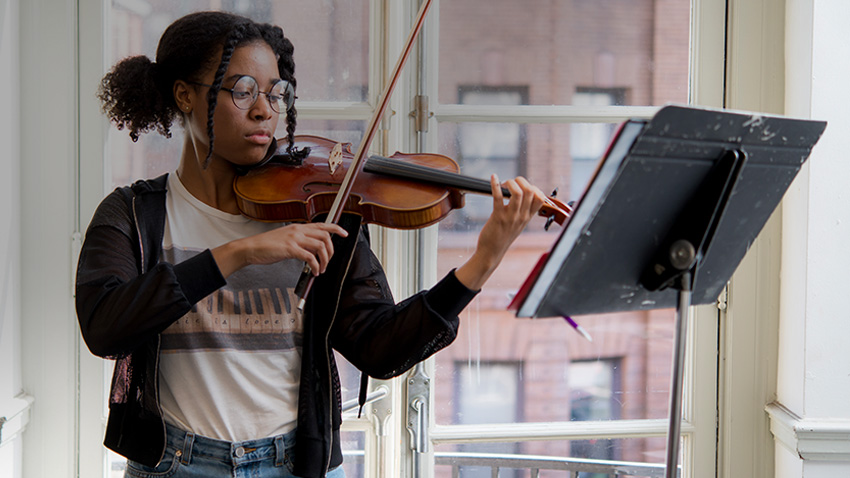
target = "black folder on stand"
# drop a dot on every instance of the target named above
(710, 176)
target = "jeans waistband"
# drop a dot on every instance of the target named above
(190, 445)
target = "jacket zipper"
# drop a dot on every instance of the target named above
(143, 269)
(328, 352)
(139, 235)
(158, 406)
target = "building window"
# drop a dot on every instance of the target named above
(487, 148)
(589, 140)
(594, 391)
(487, 393)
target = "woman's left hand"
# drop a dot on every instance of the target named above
(504, 225)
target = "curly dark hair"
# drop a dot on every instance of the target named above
(137, 93)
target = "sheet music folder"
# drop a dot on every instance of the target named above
(653, 173)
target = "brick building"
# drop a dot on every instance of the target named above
(560, 53)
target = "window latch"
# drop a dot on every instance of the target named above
(421, 113)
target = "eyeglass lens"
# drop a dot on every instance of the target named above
(246, 90)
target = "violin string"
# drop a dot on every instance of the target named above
(405, 170)
(393, 167)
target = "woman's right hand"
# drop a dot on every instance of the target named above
(310, 243)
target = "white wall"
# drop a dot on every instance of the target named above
(10, 244)
(48, 121)
(811, 419)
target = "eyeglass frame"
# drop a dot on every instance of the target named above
(288, 85)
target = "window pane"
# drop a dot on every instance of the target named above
(330, 37)
(556, 48)
(488, 392)
(331, 41)
(336, 130)
(623, 374)
(354, 453)
(596, 56)
(554, 157)
(115, 465)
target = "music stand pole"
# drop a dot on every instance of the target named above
(674, 429)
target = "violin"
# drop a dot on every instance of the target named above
(403, 191)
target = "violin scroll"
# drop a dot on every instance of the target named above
(555, 211)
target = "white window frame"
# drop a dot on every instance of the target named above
(749, 334)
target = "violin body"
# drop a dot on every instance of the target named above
(279, 192)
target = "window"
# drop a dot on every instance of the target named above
(486, 148)
(339, 30)
(487, 393)
(589, 140)
(595, 394)
(592, 67)
(551, 128)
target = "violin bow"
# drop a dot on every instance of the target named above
(305, 282)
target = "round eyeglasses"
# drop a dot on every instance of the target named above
(246, 90)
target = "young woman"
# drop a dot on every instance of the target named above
(217, 372)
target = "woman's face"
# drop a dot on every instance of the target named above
(242, 137)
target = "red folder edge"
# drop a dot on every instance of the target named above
(529, 281)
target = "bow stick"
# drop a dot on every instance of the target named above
(305, 282)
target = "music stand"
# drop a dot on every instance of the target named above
(673, 207)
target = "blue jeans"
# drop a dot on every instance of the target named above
(193, 456)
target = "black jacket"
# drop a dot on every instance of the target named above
(125, 297)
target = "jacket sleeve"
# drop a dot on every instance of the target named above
(384, 339)
(118, 307)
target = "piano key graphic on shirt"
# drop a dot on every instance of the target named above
(260, 319)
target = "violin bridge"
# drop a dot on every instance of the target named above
(335, 158)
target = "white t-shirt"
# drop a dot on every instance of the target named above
(230, 368)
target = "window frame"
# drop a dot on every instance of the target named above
(395, 246)
(699, 427)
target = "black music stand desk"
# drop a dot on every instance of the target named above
(673, 207)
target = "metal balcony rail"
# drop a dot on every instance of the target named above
(534, 464)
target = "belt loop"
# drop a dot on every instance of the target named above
(280, 450)
(188, 441)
